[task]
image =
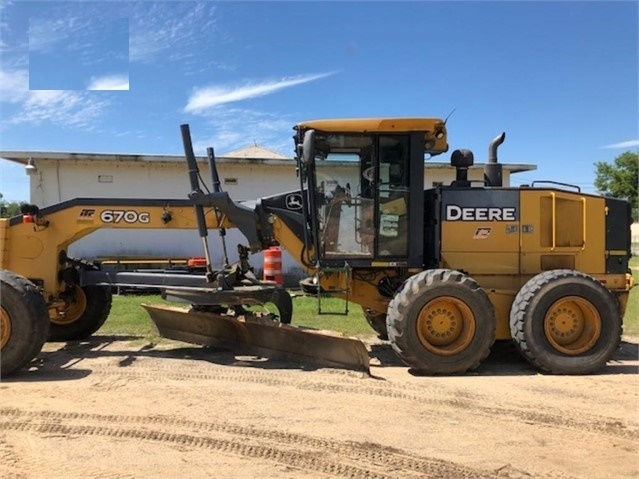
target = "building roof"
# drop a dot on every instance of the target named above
(255, 155)
(512, 167)
(239, 156)
(255, 152)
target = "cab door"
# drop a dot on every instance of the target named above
(399, 198)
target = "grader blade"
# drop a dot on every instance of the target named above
(260, 337)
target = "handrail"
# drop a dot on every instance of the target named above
(555, 183)
(554, 220)
(583, 235)
(584, 217)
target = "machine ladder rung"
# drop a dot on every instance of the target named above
(345, 273)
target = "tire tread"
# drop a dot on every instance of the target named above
(37, 314)
(398, 318)
(520, 313)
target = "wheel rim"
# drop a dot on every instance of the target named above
(5, 327)
(446, 326)
(75, 307)
(572, 325)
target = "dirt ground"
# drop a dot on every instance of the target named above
(115, 408)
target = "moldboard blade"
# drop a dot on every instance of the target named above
(260, 337)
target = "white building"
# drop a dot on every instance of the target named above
(249, 173)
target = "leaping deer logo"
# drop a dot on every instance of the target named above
(294, 201)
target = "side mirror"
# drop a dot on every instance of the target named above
(308, 147)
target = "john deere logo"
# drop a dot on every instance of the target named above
(294, 201)
(459, 213)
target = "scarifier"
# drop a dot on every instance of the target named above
(441, 273)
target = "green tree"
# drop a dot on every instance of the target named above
(8, 208)
(620, 179)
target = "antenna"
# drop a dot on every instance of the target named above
(449, 115)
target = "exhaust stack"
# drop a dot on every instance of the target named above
(493, 169)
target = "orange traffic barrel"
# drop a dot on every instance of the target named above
(196, 265)
(196, 262)
(273, 265)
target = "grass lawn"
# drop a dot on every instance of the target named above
(631, 318)
(128, 317)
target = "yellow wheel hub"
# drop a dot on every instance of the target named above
(572, 325)
(446, 326)
(5, 327)
(74, 308)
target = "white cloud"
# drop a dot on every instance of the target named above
(47, 34)
(14, 85)
(624, 144)
(171, 30)
(77, 109)
(208, 97)
(110, 82)
(4, 25)
(235, 128)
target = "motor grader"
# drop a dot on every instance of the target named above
(441, 273)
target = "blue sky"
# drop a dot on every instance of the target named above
(561, 78)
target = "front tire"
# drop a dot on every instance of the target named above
(565, 322)
(441, 322)
(88, 307)
(24, 322)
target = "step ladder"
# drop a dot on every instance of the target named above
(345, 274)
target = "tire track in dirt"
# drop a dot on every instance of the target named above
(9, 461)
(439, 397)
(332, 458)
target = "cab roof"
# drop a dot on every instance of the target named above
(435, 141)
(371, 125)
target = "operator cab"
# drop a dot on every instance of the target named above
(364, 182)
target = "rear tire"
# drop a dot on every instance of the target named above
(441, 322)
(565, 322)
(24, 322)
(86, 314)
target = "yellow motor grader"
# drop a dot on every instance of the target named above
(441, 273)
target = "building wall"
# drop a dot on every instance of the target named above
(59, 180)
(435, 176)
